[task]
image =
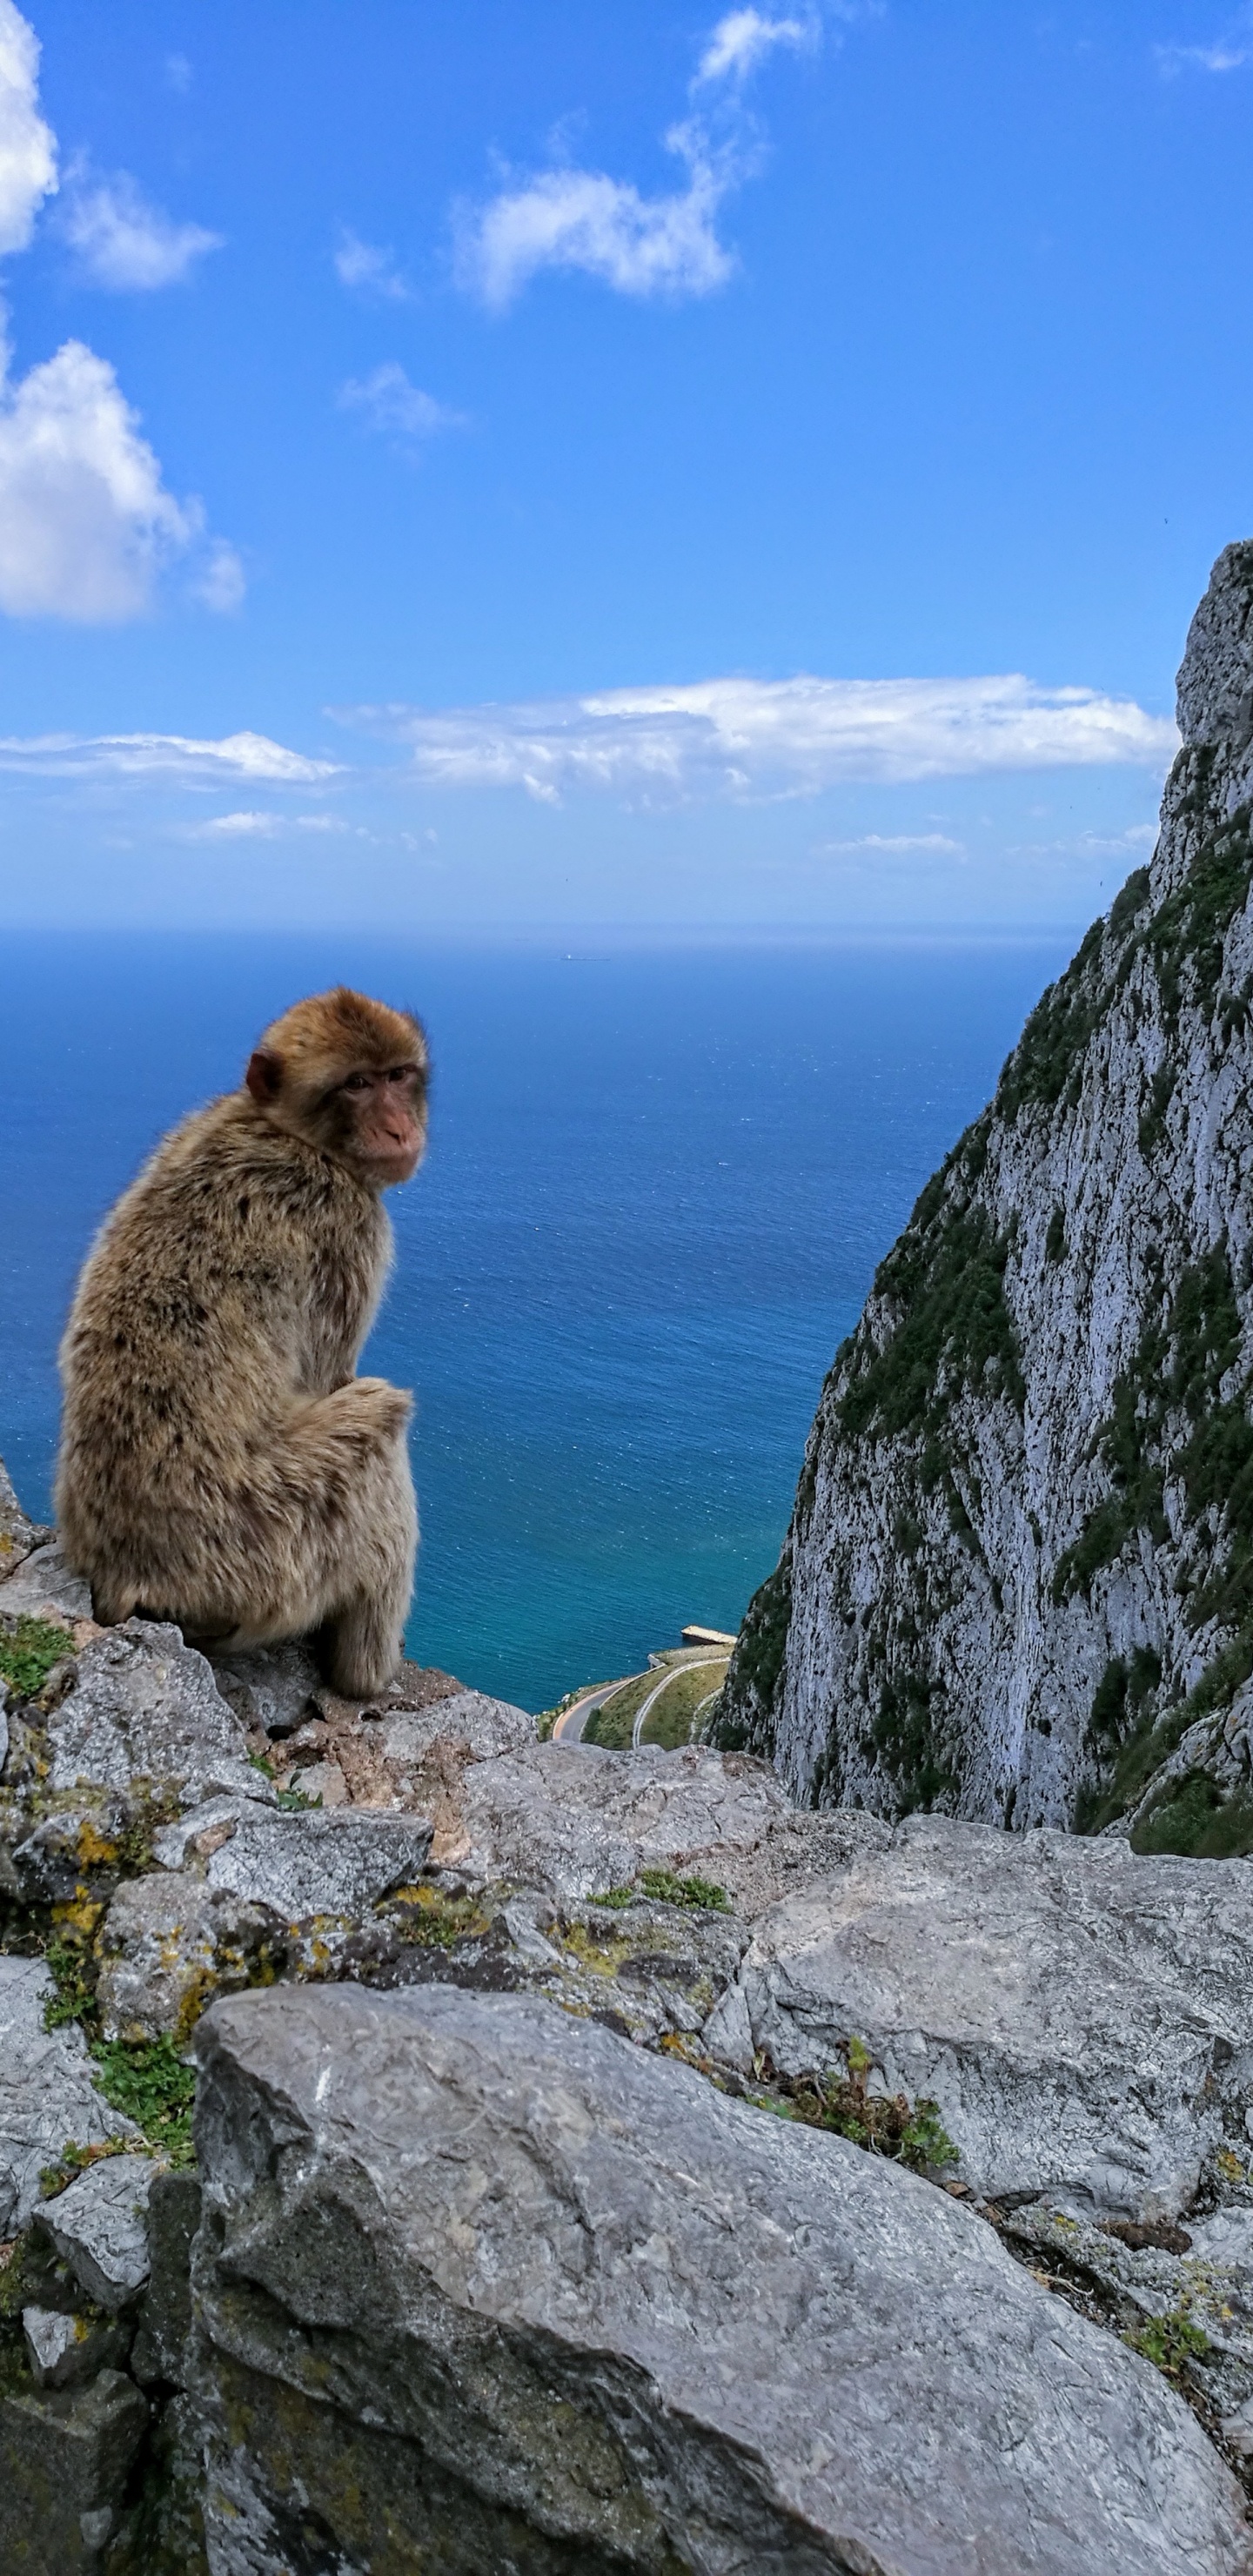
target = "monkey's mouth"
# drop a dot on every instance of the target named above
(395, 1158)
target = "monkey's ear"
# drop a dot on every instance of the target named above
(265, 1075)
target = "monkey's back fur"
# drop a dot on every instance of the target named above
(219, 1463)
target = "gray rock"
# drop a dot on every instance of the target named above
(69, 1847)
(99, 2226)
(66, 2350)
(18, 1533)
(574, 1821)
(573, 2308)
(160, 2347)
(1081, 2016)
(193, 1837)
(45, 1581)
(67, 2454)
(483, 1725)
(300, 1864)
(145, 1705)
(169, 1942)
(1152, 2287)
(47, 2095)
(268, 1686)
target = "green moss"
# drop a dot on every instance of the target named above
(1170, 2342)
(149, 2081)
(28, 1651)
(71, 1968)
(426, 1915)
(666, 1887)
(75, 2160)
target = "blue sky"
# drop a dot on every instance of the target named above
(543, 465)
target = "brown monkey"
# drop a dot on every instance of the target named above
(220, 1464)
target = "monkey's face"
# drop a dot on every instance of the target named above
(372, 1118)
(378, 1122)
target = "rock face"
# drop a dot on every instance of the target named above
(1080, 2017)
(571, 2309)
(1018, 1581)
(46, 2091)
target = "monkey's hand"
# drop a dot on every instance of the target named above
(365, 1416)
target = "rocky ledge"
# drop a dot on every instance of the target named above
(425, 2148)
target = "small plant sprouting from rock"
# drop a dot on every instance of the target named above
(28, 1652)
(1170, 2342)
(73, 2161)
(437, 1920)
(885, 2124)
(66, 1961)
(665, 1887)
(145, 2079)
(148, 2080)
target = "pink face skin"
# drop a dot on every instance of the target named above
(386, 1123)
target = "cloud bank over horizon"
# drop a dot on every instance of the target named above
(767, 739)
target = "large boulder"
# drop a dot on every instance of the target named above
(1082, 2017)
(485, 2275)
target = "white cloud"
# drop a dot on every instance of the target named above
(744, 38)
(237, 827)
(581, 219)
(768, 738)
(666, 245)
(369, 269)
(123, 242)
(178, 73)
(252, 825)
(250, 757)
(391, 404)
(28, 152)
(221, 584)
(1232, 52)
(894, 844)
(85, 521)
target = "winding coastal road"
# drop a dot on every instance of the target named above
(568, 1728)
(699, 1664)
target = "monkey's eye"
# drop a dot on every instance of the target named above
(402, 1073)
(356, 1082)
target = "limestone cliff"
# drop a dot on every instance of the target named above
(1018, 1581)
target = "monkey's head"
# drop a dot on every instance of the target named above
(349, 1076)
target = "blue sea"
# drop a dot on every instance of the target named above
(657, 1188)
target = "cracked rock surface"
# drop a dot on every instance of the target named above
(1080, 2016)
(579, 2308)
